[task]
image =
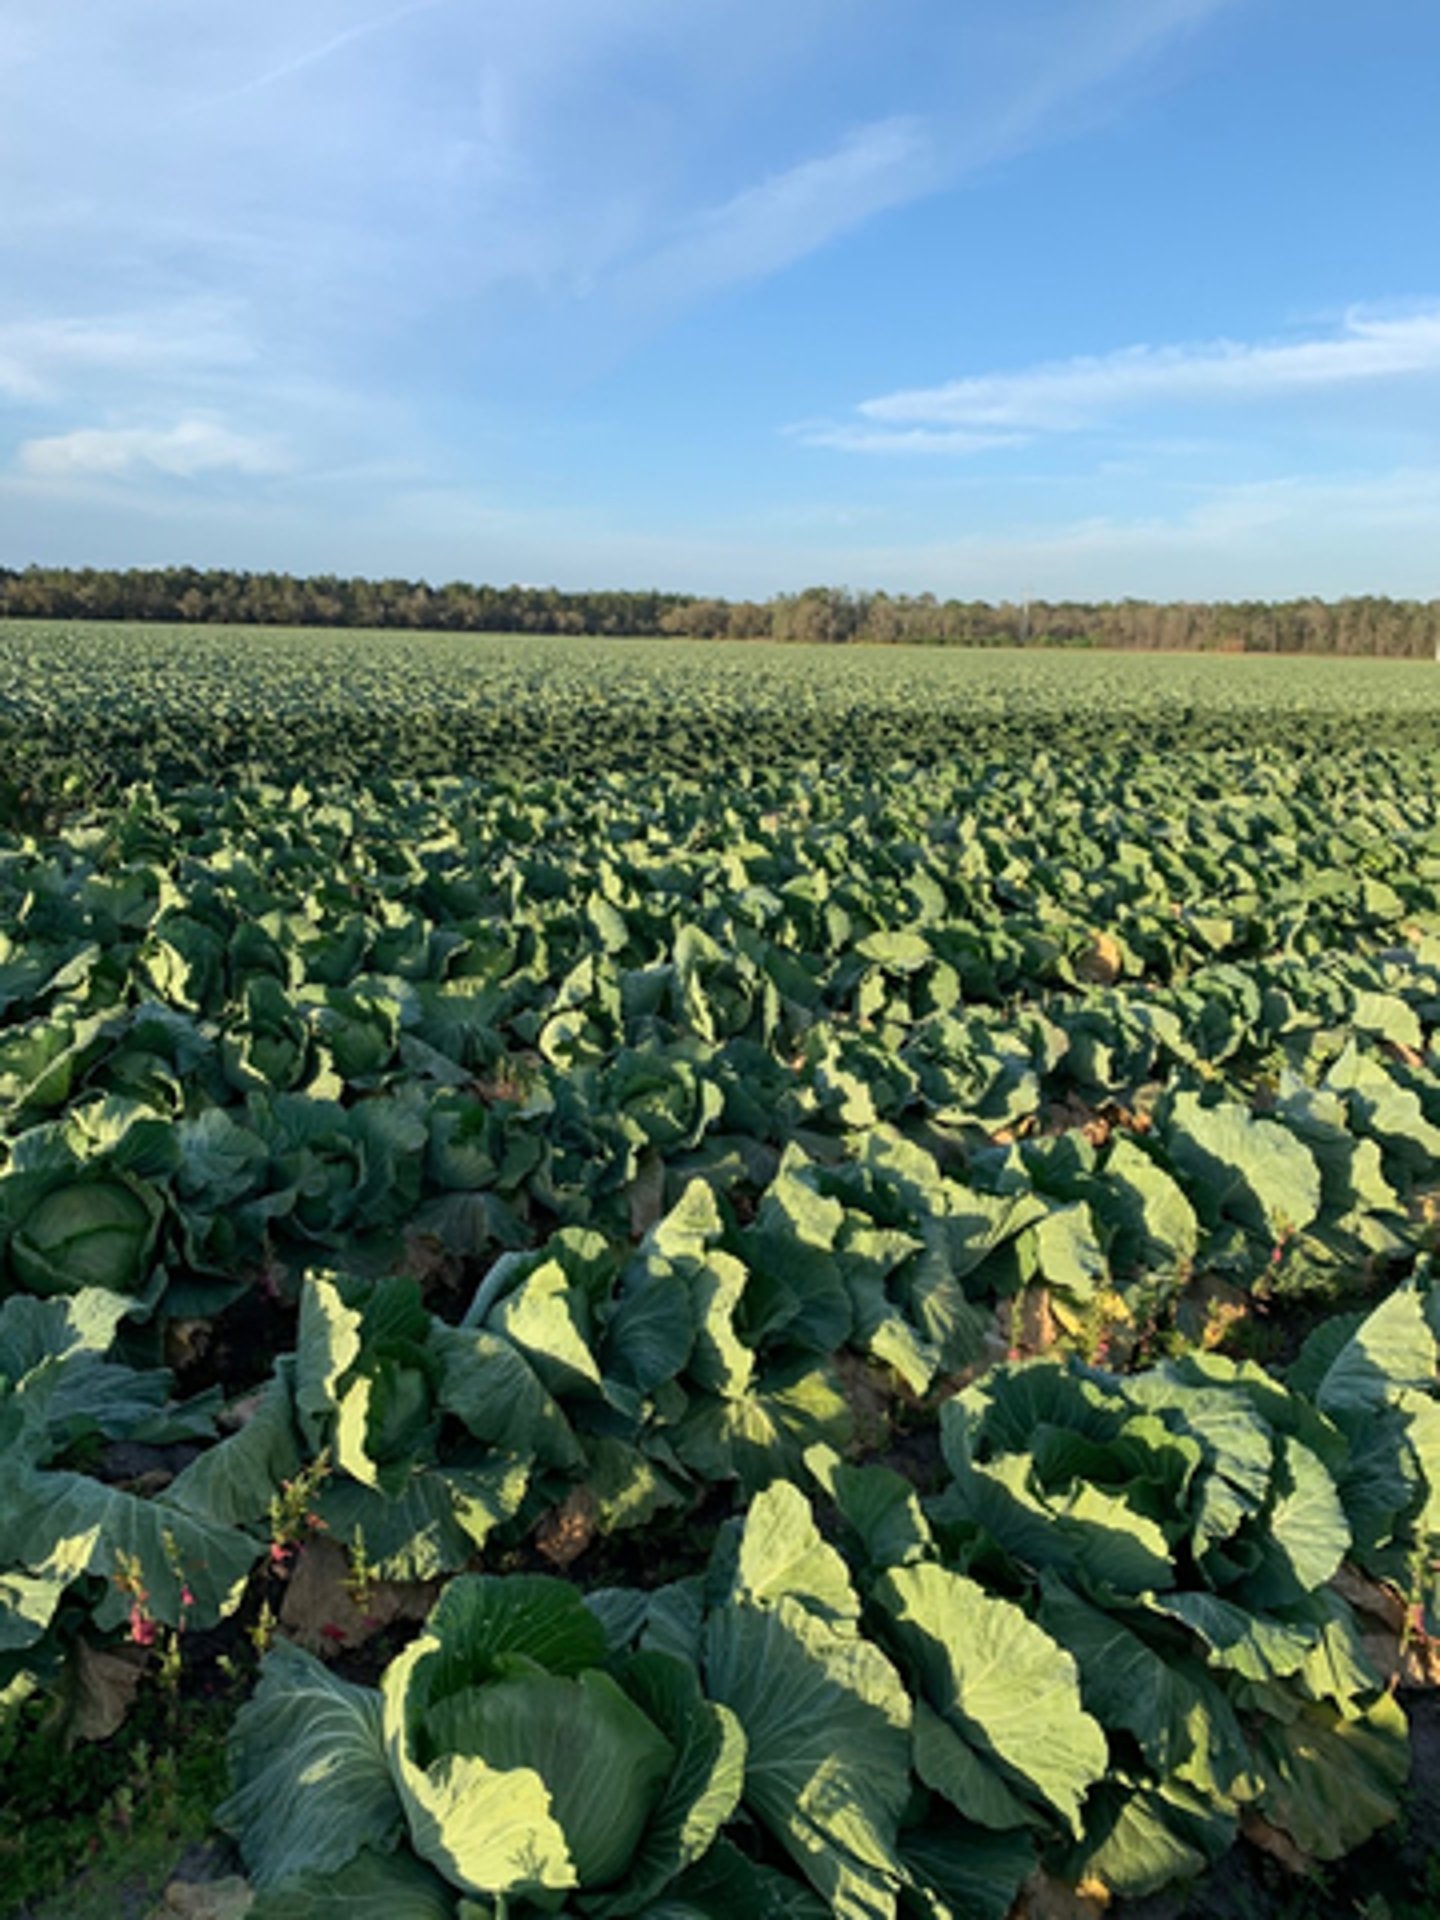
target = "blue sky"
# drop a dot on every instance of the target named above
(989, 297)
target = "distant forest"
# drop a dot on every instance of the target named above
(1400, 629)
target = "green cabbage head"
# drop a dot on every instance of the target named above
(509, 1749)
(525, 1766)
(87, 1233)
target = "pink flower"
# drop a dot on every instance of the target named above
(142, 1627)
(187, 1598)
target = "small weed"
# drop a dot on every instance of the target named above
(117, 1814)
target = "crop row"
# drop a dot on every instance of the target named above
(1132, 1614)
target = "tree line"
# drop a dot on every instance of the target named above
(1369, 624)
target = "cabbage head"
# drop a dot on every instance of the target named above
(509, 1749)
(90, 1232)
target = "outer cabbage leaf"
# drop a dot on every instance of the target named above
(94, 1528)
(782, 1554)
(1252, 1171)
(762, 1435)
(372, 1886)
(235, 1481)
(1143, 1837)
(312, 1783)
(827, 1722)
(1332, 1781)
(965, 1873)
(1182, 1719)
(999, 1681)
(434, 1524)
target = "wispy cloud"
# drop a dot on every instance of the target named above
(932, 440)
(430, 253)
(185, 451)
(980, 411)
(336, 43)
(40, 358)
(795, 211)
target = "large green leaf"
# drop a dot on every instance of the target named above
(880, 1505)
(1391, 1349)
(1252, 1171)
(966, 1874)
(327, 1346)
(235, 1482)
(434, 1524)
(372, 1886)
(541, 1318)
(950, 1766)
(1000, 1681)
(1308, 1534)
(1155, 1225)
(1256, 1646)
(782, 1555)
(33, 1330)
(27, 1606)
(312, 1786)
(761, 1435)
(1332, 1781)
(1184, 1722)
(827, 1725)
(1144, 1837)
(72, 1519)
(727, 1882)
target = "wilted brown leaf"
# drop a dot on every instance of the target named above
(227, 1899)
(322, 1610)
(1277, 1843)
(1034, 1322)
(186, 1342)
(1371, 1596)
(1404, 1656)
(240, 1412)
(868, 1394)
(645, 1196)
(1101, 963)
(1043, 1897)
(1209, 1308)
(567, 1530)
(102, 1685)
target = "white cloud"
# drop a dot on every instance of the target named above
(796, 211)
(464, 213)
(40, 358)
(936, 440)
(1031, 99)
(1329, 534)
(1067, 396)
(336, 43)
(182, 452)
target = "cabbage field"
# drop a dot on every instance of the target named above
(706, 1280)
